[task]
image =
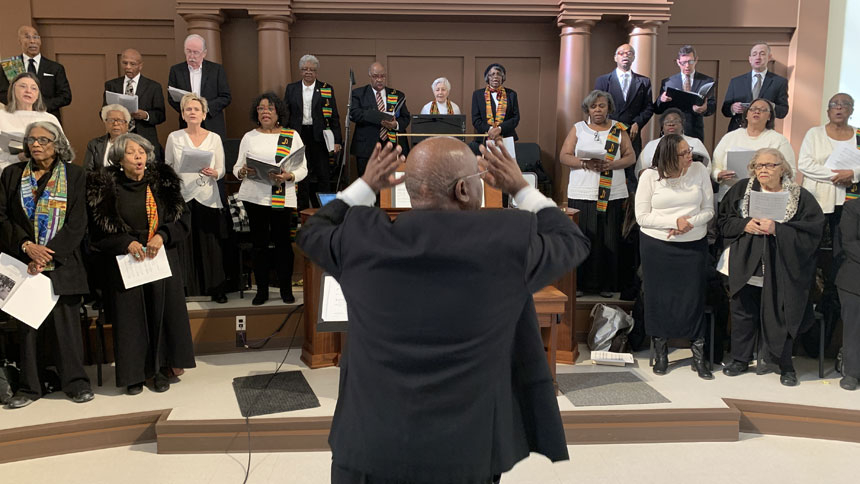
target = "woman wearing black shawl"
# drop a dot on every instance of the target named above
(771, 264)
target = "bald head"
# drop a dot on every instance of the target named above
(435, 171)
(377, 75)
(31, 42)
(624, 56)
(132, 63)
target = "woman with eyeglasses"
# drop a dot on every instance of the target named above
(671, 122)
(597, 151)
(674, 203)
(201, 252)
(770, 263)
(24, 105)
(270, 198)
(756, 132)
(495, 109)
(43, 219)
(116, 119)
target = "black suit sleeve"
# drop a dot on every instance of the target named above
(68, 239)
(731, 98)
(155, 103)
(849, 228)
(363, 114)
(647, 111)
(478, 110)
(659, 106)
(319, 236)
(557, 246)
(712, 99)
(602, 83)
(781, 101)
(62, 90)
(90, 155)
(512, 116)
(335, 119)
(4, 89)
(173, 80)
(223, 97)
(12, 235)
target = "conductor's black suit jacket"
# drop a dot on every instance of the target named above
(445, 377)
(213, 87)
(150, 98)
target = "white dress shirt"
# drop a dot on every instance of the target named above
(262, 146)
(195, 186)
(135, 81)
(621, 75)
(385, 103)
(307, 102)
(196, 78)
(27, 58)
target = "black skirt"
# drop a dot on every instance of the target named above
(203, 270)
(599, 272)
(674, 275)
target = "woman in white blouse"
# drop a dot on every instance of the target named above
(756, 132)
(674, 202)
(600, 208)
(24, 105)
(441, 104)
(270, 204)
(671, 122)
(201, 252)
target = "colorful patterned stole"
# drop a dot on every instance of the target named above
(325, 94)
(613, 149)
(434, 108)
(498, 118)
(48, 213)
(391, 99)
(852, 192)
(151, 214)
(285, 142)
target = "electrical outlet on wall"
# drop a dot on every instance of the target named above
(240, 331)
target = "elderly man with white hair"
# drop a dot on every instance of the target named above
(204, 78)
(441, 104)
(313, 113)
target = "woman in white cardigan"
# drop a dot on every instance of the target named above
(270, 204)
(24, 105)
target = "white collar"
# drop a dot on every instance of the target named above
(692, 76)
(763, 74)
(27, 58)
(619, 73)
(136, 80)
(306, 87)
(193, 69)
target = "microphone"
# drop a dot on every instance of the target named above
(351, 77)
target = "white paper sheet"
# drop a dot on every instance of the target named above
(401, 196)
(7, 138)
(333, 302)
(32, 298)
(176, 94)
(611, 358)
(194, 160)
(328, 136)
(127, 101)
(768, 205)
(509, 145)
(591, 154)
(531, 178)
(138, 272)
(737, 160)
(843, 158)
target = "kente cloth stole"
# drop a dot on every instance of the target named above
(285, 142)
(325, 94)
(391, 99)
(434, 108)
(852, 192)
(151, 214)
(613, 148)
(501, 106)
(48, 213)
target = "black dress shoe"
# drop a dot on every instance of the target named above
(19, 401)
(161, 382)
(288, 297)
(82, 396)
(607, 294)
(661, 356)
(134, 389)
(220, 298)
(848, 383)
(735, 368)
(260, 298)
(789, 379)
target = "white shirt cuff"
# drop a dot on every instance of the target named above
(529, 198)
(359, 193)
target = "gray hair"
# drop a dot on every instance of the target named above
(117, 150)
(62, 148)
(787, 169)
(443, 80)
(115, 107)
(195, 36)
(593, 95)
(309, 59)
(12, 103)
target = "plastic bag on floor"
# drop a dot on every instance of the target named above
(609, 328)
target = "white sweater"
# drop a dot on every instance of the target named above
(204, 189)
(262, 146)
(647, 154)
(814, 151)
(659, 203)
(740, 139)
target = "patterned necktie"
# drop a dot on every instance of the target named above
(129, 87)
(32, 67)
(380, 104)
(756, 87)
(687, 85)
(625, 84)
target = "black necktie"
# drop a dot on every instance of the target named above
(32, 67)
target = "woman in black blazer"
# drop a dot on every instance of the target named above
(495, 109)
(49, 192)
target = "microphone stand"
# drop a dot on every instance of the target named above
(345, 149)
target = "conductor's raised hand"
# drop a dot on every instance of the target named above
(381, 166)
(503, 172)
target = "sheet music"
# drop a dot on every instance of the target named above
(611, 358)
(591, 154)
(738, 160)
(127, 101)
(509, 145)
(401, 196)
(333, 303)
(176, 94)
(328, 136)
(194, 160)
(768, 205)
(843, 158)
(138, 272)
(9, 138)
(29, 299)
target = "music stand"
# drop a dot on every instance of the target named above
(442, 124)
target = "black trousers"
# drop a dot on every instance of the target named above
(319, 177)
(746, 321)
(269, 226)
(850, 333)
(201, 254)
(342, 475)
(57, 342)
(599, 272)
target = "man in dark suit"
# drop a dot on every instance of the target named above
(688, 80)
(445, 377)
(53, 83)
(760, 83)
(313, 112)
(150, 98)
(204, 78)
(496, 124)
(379, 113)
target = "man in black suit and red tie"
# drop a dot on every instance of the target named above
(313, 113)
(53, 83)
(379, 113)
(688, 80)
(204, 78)
(150, 98)
(760, 83)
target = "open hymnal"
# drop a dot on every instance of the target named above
(11, 142)
(400, 197)
(687, 99)
(610, 358)
(12, 67)
(29, 299)
(176, 94)
(844, 157)
(262, 168)
(768, 205)
(332, 316)
(738, 160)
(139, 272)
(194, 160)
(125, 100)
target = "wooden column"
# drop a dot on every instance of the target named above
(643, 38)
(207, 26)
(273, 52)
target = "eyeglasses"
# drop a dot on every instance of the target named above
(193, 53)
(625, 54)
(759, 110)
(688, 62)
(840, 104)
(115, 121)
(265, 109)
(466, 177)
(688, 151)
(762, 166)
(42, 140)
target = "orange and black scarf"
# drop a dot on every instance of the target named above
(613, 149)
(501, 105)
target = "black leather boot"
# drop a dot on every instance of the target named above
(661, 356)
(699, 364)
